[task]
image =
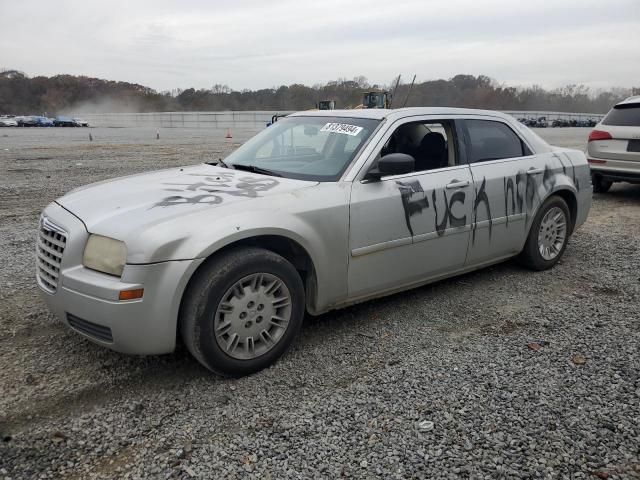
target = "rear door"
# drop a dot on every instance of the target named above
(507, 184)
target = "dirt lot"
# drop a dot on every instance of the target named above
(436, 382)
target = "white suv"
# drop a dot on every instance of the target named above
(613, 149)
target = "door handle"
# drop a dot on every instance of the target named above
(457, 184)
(534, 171)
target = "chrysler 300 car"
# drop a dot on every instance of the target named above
(320, 210)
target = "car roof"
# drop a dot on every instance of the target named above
(382, 113)
(626, 101)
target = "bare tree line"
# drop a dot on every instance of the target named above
(20, 94)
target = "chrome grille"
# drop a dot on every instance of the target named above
(50, 247)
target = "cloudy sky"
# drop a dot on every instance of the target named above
(264, 43)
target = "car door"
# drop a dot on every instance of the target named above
(407, 228)
(507, 181)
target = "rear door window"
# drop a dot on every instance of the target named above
(491, 140)
(623, 116)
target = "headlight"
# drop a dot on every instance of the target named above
(105, 255)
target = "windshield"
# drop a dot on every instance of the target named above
(627, 115)
(305, 148)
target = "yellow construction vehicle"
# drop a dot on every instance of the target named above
(381, 98)
(375, 99)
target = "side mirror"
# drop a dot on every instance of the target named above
(392, 164)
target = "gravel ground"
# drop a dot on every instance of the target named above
(437, 382)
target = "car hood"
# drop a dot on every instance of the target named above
(122, 207)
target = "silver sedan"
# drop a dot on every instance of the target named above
(320, 210)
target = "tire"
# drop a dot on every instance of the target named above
(217, 321)
(600, 185)
(532, 255)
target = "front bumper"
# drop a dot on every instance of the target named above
(87, 301)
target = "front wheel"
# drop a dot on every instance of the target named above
(548, 236)
(242, 310)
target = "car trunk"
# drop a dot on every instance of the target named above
(624, 143)
(617, 137)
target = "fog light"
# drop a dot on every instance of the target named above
(131, 294)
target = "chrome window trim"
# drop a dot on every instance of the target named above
(502, 160)
(418, 174)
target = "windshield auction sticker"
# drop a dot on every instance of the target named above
(344, 128)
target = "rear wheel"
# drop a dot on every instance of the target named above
(548, 236)
(600, 185)
(242, 310)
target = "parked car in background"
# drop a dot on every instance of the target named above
(8, 122)
(540, 122)
(589, 123)
(43, 121)
(320, 210)
(27, 121)
(613, 149)
(80, 122)
(63, 121)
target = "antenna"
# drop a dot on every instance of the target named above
(409, 92)
(393, 93)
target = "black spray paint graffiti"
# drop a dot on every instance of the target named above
(521, 194)
(523, 191)
(548, 178)
(215, 187)
(509, 188)
(449, 217)
(413, 207)
(576, 180)
(481, 198)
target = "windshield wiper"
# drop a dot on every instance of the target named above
(255, 169)
(218, 163)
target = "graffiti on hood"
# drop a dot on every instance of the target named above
(205, 199)
(211, 189)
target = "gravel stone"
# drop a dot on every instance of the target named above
(348, 398)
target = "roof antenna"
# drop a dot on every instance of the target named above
(409, 92)
(393, 93)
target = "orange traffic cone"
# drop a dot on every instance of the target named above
(228, 133)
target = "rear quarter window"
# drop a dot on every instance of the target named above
(623, 116)
(491, 140)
